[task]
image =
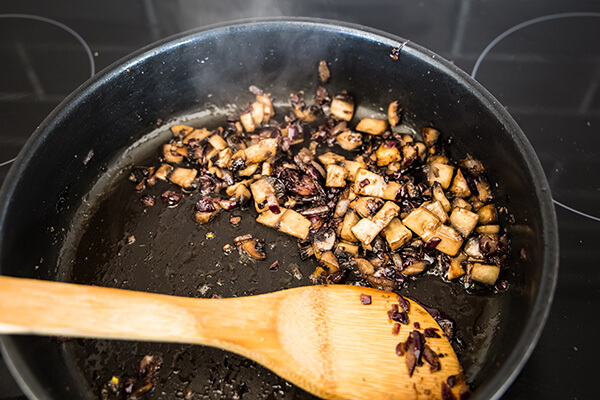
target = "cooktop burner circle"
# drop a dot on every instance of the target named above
(556, 101)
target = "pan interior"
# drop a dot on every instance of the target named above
(116, 241)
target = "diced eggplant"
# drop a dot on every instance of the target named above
(263, 193)
(421, 151)
(438, 158)
(183, 176)
(396, 234)
(458, 202)
(205, 217)
(456, 270)
(415, 268)
(475, 167)
(385, 215)
(224, 160)
(249, 170)
(294, 224)
(464, 221)
(364, 266)
(349, 140)
(324, 73)
(255, 248)
(484, 191)
(353, 167)
(368, 183)
(391, 191)
(170, 154)
(231, 190)
(365, 230)
(330, 261)
(488, 229)
(331, 158)
(260, 152)
(439, 195)
(430, 136)
(422, 222)
(257, 113)
(336, 176)
(266, 169)
(451, 241)
(387, 153)
(268, 110)
(324, 241)
(163, 172)
(349, 248)
(217, 142)
(343, 203)
(270, 219)
(349, 221)
(436, 209)
(409, 155)
(393, 113)
(248, 122)
(472, 248)
(485, 273)
(181, 130)
(342, 107)
(197, 135)
(366, 206)
(459, 186)
(438, 172)
(372, 126)
(487, 214)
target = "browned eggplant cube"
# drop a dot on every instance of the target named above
(372, 126)
(451, 241)
(422, 222)
(349, 140)
(183, 176)
(459, 186)
(163, 172)
(485, 273)
(269, 218)
(336, 176)
(464, 221)
(368, 183)
(430, 136)
(342, 107)
(366, 230)
(438, 194)
(396, 234)
(389, 211)
(366, 206)
(260, 152)
(181, 130)
(488, 229)
(456, 270)
(436, 209)
(350, 219)
(393, 113)
(487, 214)
(294, 224)
(438, 172)
(170, 154)
(387, 153)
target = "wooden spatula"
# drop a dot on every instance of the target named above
(337, 342)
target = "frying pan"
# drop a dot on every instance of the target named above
(69, 213)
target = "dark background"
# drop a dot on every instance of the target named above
(545, 71)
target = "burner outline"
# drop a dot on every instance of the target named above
(516, 28)
(64, 27)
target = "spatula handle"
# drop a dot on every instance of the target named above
(29, 306)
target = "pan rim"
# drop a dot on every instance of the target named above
(506, 374)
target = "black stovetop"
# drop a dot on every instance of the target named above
(541, 59)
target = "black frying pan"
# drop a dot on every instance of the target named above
(67, 208)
